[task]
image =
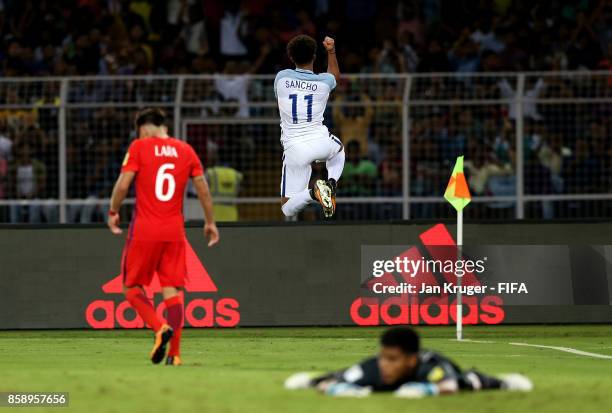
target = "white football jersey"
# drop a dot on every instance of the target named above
(302, 97)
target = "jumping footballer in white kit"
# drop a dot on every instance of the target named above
(302, 96)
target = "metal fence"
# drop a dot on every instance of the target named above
(537, 145)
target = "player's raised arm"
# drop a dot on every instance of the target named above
(210, 228)
(120, 192)
(332, 62)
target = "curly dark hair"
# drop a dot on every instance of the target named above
(302, 49)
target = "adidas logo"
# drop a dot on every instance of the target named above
(434, 310)
(199, 312)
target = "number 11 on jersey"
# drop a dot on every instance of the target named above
(294, 101)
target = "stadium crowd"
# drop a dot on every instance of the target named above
(88, 37)
(567, 148)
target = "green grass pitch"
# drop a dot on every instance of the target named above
(242, 370)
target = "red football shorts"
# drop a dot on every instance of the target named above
(142, 259)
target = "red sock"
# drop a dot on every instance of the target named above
(144, 308)
(174, 315)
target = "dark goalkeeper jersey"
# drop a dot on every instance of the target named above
(432, 367)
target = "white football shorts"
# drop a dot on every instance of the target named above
(298, 159)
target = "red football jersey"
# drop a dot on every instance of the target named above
(163, 167)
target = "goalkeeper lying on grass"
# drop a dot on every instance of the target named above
(403, 368)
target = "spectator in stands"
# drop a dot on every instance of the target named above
(391, 171)
(233, 31)
(551, 154)
(485, 37)
(360, 174)
(427, 174)
(410, 20)
(64, 38)
(359, 179)
(385, 128)
(372, 62)
(408, 51)
(194, 32)
(606, 62)
(26, 180)
(467, 126)
(513, 57)
(480, 166)
(303, 25)
(464, 56)
(101, 171)
(224, 182)
(450, 143)
(389, 59)
(84, 54)
(6, 146)
(582, 173)
(584, 51)
(601, 147)
(76, 178)
(6, 143)
(487, 176)
(13, 117)
(234, 85)
(353, 122)
(435, 59)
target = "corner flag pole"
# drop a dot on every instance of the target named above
(459, 278)
(458, 195)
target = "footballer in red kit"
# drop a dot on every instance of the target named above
(160, 167)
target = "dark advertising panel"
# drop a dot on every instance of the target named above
(299, 275)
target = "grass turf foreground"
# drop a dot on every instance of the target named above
(242, 370)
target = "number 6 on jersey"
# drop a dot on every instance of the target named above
(161, 178)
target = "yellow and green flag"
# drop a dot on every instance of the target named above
(457, 191)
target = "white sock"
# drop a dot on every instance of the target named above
(335, 165)
(296, 203)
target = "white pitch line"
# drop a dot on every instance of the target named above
(564, 349)
(567, 350)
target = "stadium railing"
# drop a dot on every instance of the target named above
(537, 145)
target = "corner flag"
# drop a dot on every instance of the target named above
(457, 191)
(458, 194)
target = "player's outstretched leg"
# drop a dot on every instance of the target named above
(476, 380)
(516, 382)
(293, 205)
(295, 193)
